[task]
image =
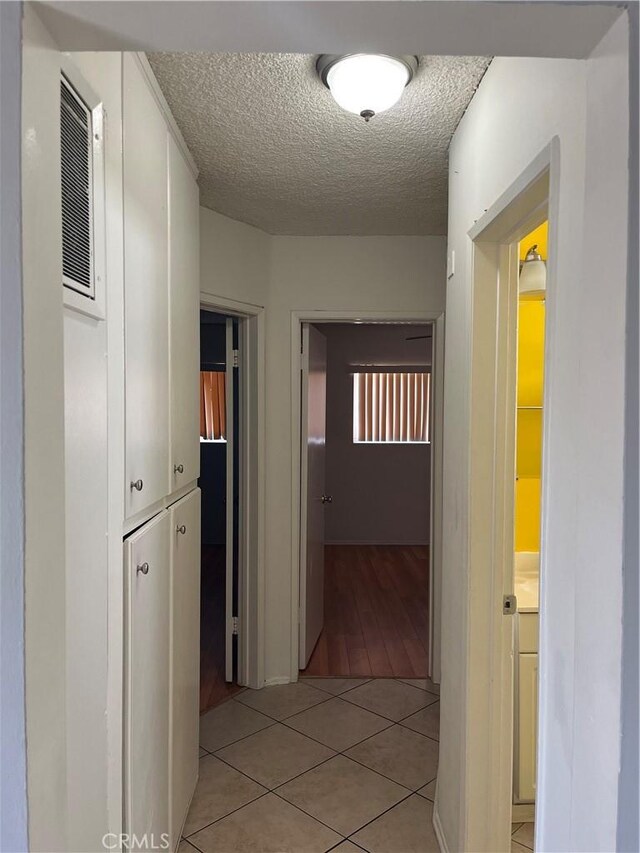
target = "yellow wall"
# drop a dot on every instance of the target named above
(531, 318)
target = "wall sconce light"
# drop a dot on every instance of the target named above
(533, 276)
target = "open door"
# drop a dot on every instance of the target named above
(230, 368)
(313, 436)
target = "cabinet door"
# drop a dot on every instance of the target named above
(184, 325)
(185, 656)
(147, 679)
(527, 725)
(146, 298)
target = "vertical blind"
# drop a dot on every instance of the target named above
(391, 407)
(213, 409)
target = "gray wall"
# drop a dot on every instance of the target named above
(380, 492)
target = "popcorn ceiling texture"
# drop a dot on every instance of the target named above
(274, 150)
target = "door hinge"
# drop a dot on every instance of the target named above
(236, 358)
(509, 605)
(234, 626)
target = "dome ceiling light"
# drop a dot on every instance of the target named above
(366, 83)
(533, 275)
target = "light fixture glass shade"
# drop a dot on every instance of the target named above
(533, 276)
(366, 84)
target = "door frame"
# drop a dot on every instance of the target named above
(251, 588)
(487, 760)
(299, 500)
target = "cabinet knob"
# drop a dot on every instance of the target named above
(143, 569)
(181, 528)
(178, 469)
(137, 485)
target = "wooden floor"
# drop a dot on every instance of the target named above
(213, 688)
(376, 612)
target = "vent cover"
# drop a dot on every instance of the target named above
(76, 149)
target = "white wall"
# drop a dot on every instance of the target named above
(381, 492)
(234, 259)
(13, 778)
(45, 604)
(87, 496)
(520, 106)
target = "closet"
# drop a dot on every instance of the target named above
(161, 527)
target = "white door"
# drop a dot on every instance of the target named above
(185, 656)
(229, 503)
(184, 324)
(313, 434)
(146, 296)
(147, 679)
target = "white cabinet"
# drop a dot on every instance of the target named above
(184, 320)
(146, 294)
(527, 705)
(147, 568)
(185, 656)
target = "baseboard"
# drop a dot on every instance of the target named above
(369, 542)
(525, 812)
(437, 826)
(278, 679)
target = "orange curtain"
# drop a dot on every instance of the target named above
(213, 409)
(391, 407)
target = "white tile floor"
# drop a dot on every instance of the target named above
(340, 764)
(325, 764)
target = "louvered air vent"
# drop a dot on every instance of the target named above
(77, 190)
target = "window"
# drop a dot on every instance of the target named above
(213, 406)
(391, 408)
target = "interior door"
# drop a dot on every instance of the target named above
(185, 656)
(147, 679)
(313, 438)
(229, 502)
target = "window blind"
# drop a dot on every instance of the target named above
(391, 407)
(213, 409)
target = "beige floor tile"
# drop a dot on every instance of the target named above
(268, 825)
(407, 828)
(275, 755)
(390, 698)
(524, 835)
(423, 684)
(185, 847)
(404, 756)
(515, 826)
(335, 685)
(426, 721)
(342, 794)
(202, 752)
(283, 700)
(345, 847)
(518, 848)
(429, 791)
(220, 790)
(229, 722)
(338, 724)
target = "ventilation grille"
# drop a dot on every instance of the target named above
(76, 175)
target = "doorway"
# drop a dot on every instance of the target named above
(220, 487)
(368, 463)
(508, 475)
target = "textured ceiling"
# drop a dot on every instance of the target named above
(274, 149)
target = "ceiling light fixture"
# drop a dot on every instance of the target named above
(366, 83)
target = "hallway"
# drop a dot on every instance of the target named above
(376, 612)
(302, 767)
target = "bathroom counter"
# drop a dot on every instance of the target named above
(526, 581)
